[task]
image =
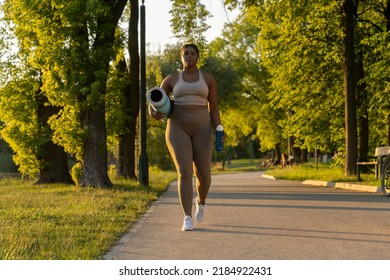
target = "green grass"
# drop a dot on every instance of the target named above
(324, 172)
(67, 222)
(301, 172)
(237, 165)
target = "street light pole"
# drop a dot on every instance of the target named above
(143, 158)
(289, 114)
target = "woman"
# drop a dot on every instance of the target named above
(189, 131)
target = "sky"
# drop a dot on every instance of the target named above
(159, 32)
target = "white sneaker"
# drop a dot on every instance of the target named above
(200, 210)
(187, 224)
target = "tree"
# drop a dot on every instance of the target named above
(376, 25)
(189, 22)
(242, 84)
(299, 47)
(93, 115)
(71, 42)
(25, 124)
(302, 49)
(130, 101)
(349, 71)
(20, 123)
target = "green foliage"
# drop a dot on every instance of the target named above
(300, 45)
(157, 150)
(76, 172)
(20, 128)
(277, 66)
(243, 85)
(70, 44)
(378, 83)
(189, 22)
(116, 111)
(301, 49)
(68, 131)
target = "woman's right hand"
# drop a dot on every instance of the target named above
(156, 115)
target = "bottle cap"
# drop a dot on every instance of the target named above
(219, 128)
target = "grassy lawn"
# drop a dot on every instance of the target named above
(301, 172)
(237, 165)
(68, 223)
(324, 172)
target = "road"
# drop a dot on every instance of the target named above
(253, 218)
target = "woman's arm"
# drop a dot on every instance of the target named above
(167, 85)
(213, 99)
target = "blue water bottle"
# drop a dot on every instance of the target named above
(219, 138)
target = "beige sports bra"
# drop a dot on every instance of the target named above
(186, 93)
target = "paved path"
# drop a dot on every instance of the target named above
(251, 217)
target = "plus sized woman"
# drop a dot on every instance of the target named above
(189, 131)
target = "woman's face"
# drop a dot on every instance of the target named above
(189, 57)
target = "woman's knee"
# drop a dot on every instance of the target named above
(204, 179)
(185, 174)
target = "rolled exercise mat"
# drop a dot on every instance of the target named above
(160, 101)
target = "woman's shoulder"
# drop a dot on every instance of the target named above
(172, 77)
(170, 80)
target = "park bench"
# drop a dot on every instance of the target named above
(367, 161)
(376, 160)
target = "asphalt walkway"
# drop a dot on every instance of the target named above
(252, 217)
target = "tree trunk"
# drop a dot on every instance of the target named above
(94, 171)
(54, 165)
(349, 88)
(126, 155)
(362, 103)
(304, 155)
(55, 168)
(278, 153)
(387, 14)
(296, 151)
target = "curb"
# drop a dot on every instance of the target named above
(362, 188)
(268, 177)
(346, 186)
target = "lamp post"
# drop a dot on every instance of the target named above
(143, 177)
(289, 114)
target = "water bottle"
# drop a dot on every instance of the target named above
(219, 138)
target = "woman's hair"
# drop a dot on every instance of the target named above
(189, 45)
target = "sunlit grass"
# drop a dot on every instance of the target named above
(68, 222)
(323, 172)
(237, 165)
(300, 172)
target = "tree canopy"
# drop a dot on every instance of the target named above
(293, 76)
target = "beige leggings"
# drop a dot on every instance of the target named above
(189, 140)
